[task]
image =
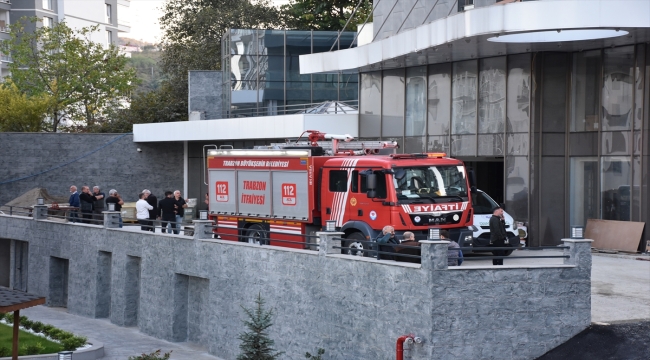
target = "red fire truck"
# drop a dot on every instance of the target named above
(284, 190)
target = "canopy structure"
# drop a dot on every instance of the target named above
(331, 107)
(14, 300)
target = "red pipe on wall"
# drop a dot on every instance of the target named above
(400, 346)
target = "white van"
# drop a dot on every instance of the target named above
(483, 205)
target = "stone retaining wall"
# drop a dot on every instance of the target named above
(180, 288)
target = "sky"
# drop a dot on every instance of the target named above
(144, 15)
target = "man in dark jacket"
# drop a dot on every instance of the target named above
(99, 204)
(74, 202)
(168, 212)
(385, 242)
(86, 200)
(153, 201)
(498, 235)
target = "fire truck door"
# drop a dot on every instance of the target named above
(362, 208)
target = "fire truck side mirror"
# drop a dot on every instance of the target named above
(472, 180)
(371, 185)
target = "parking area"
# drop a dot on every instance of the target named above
(620, 284)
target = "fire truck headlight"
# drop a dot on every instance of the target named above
(456, 217)
(417, 219)
(473, 228)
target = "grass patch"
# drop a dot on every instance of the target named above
(26, 341)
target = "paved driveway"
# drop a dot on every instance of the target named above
(620, 285)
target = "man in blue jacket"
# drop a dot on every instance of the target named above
(75, 203)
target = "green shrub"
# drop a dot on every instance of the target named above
(54, 333)
(37, 326)
(153, 356)
(23, 319)
(74, 342)
(65, 335)
(47, 328)
(4, 351)
(26, 323)
(9, 318)
(2, 316)
(34, 349)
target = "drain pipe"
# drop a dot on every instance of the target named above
(408, 339)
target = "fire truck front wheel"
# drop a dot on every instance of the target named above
(356, 240)
(256, 234)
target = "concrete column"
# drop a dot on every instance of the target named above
(579, 251)
(40, 212)
(111, 219)
(328, 242)
(434, 254)
(203, 229)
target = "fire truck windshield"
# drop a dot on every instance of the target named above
(434, 184)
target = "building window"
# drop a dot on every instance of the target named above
(47, 5)
(109, 37)
(109, 18)
(48, 22)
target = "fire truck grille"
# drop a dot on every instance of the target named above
(442, 219)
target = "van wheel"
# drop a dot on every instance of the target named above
(256, 234)
(354, 241)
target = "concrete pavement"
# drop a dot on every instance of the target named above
(119, 342)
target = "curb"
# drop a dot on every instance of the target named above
(96, 351)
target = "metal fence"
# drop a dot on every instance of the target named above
(263, 237)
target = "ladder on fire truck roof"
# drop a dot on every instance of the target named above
(339, 144)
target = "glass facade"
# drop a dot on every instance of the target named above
(571, 128)
(265, 74)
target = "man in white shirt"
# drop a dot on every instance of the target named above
(142, 208)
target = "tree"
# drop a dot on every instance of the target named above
(325, 14)
(146, 107)
(82, 77)
(19, 112)
(256, 344)
(192, 33)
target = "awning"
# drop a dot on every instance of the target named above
(464, 35)
(263, 127)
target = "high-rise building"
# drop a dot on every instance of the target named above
(110, 15)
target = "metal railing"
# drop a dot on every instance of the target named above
(372, 249)
(16, 210)
(243, 235)
(235, 112)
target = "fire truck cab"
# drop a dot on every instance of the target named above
(274, 194)
(411, 192)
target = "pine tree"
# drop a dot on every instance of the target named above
(255, 343)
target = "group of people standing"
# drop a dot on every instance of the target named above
(92, 204)
(88, 207)
(169, 210)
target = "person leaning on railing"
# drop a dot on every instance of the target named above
(115, 198)
(454, 254)
(387, 236)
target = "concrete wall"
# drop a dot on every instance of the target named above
(205, 89)
(352, 307)
(157, 167)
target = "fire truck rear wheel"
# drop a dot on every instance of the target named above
(355, 242)
(256, 234)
